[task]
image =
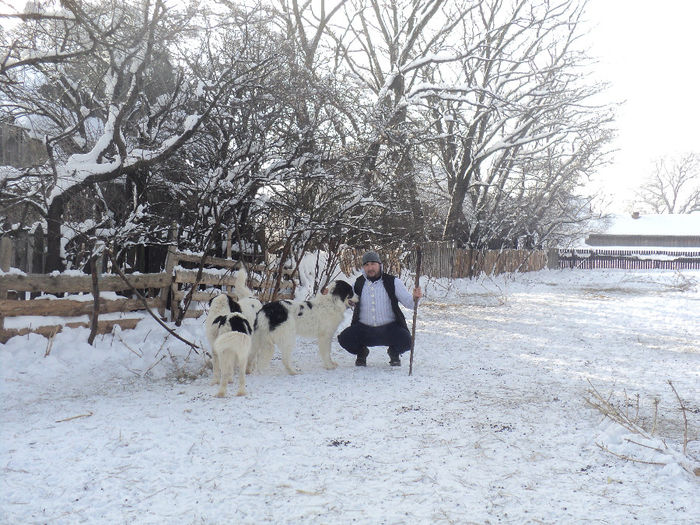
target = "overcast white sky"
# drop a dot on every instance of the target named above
(650, 51)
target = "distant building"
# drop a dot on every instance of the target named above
(18, 149)
(649, 231)
(664, 242)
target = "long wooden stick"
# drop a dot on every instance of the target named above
(419, 257)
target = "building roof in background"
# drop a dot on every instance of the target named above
(646, 232)
(673, 225)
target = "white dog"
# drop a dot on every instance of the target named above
(231, 349)
(243, 301)
(225, 319)
(278, 323)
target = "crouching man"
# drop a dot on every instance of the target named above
(377, 319)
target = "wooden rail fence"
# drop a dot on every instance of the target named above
(165, 289)
(444, 260)
(448, 261)
(261, 279)
(21, 284)
(169, 288)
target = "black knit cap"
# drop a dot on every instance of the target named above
(371, 257)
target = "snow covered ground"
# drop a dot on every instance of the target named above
(493, 426)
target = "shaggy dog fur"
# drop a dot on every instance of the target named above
(225, 331)
(219, 306)
(278, 323)
(230, 350)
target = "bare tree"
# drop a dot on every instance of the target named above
(673, 187)
(482, 89)
(521, 95)
(330, 120)
(317, 199)
(111, 103)
(388, 47)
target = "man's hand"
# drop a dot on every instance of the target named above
(417, 293)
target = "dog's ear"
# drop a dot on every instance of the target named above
(233, 306)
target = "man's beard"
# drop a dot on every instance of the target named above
(376, 277)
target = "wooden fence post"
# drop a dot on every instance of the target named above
(30, 253)
(170, 262)
(95, 270)
(38, 254)
(5, 263)
(5, 254)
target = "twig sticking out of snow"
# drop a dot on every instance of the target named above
(50, 342)
(684, 283)
(138, 354)
(154, 364)
(648, 442)
(685, 419)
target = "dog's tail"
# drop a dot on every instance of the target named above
(240, 284)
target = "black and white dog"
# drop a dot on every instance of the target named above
(228, 329)
(231, 349)
(279, 322)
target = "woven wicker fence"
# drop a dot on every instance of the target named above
(445, 260)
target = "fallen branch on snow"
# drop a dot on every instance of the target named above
(74, 417)
(648, 442)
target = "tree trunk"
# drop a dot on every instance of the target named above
(54, 220)
(455, 216)
(406, 177)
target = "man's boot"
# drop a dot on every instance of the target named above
(394, 357)
(362, 356)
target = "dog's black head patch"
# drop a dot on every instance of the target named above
(220, 320)
(239, 324)
(233, 306)
(343, 290)
(275, 312)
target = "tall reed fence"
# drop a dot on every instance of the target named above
(162, 291)
(441, 259)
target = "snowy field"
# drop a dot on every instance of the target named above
(493, 426)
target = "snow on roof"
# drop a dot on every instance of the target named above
(674, 225)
